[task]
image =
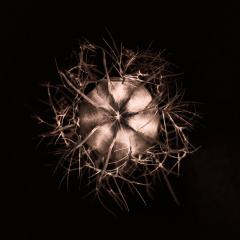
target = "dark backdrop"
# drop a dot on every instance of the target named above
(202, 39)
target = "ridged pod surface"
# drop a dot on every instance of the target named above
(126, 118)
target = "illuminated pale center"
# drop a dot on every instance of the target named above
(127, 115)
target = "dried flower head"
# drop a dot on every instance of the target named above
(120, 120)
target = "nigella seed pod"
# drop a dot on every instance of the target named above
(126, 121)
(121, 123)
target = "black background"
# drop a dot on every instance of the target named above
(202, 39)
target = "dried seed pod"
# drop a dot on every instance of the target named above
(126, 118)
(131, 126)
